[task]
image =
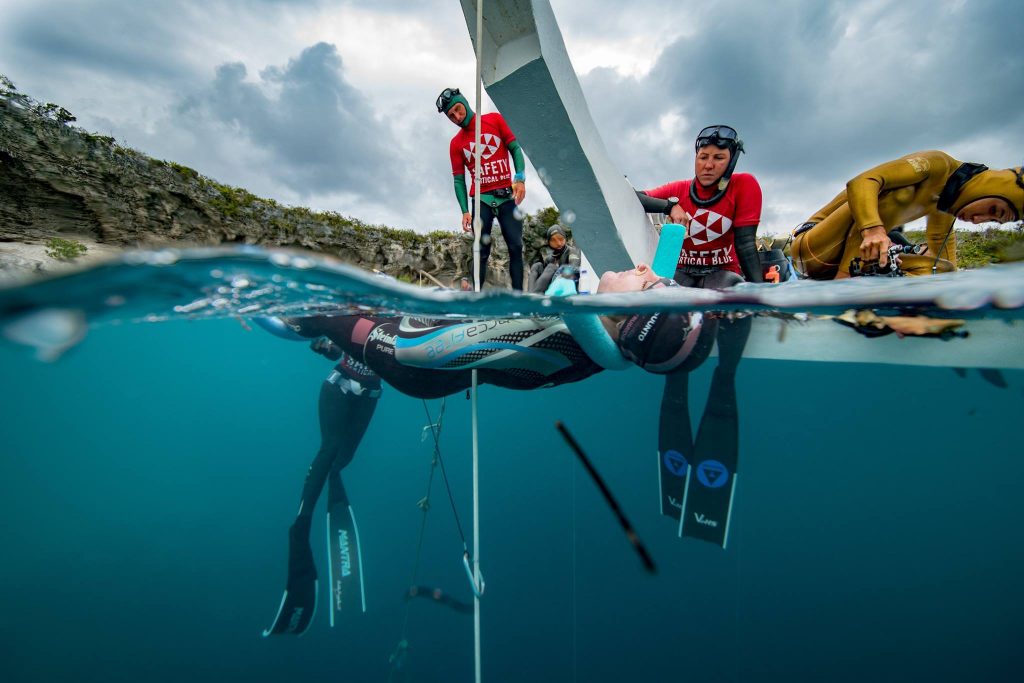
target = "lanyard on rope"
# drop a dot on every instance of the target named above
(476, 581)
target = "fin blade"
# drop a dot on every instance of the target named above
(346, 562)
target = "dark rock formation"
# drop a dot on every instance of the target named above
(59, 180)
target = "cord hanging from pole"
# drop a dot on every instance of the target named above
(397, 658)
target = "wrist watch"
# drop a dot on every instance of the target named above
(672, 201)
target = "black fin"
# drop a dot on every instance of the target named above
(675, 444)
(707, 501)
(960, 372)
(298, 605)
(993, 377)
(343, 551)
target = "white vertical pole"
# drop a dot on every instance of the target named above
(477, 229)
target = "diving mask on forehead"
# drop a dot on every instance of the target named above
(445, 98)
(724, 137)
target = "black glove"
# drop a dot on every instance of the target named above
(746, 252)
(326, 348)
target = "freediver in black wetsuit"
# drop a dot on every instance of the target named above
(348, 399)
(434, 358)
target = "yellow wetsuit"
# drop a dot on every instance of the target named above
(889, 195)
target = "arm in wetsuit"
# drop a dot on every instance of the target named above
(925, 172)
(653, 204)
(746, 252)
(461, 194)
(896, 190)
(518, 163)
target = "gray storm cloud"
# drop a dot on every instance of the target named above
(321, 132)
(829, 88)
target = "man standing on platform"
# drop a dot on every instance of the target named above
(500, 190)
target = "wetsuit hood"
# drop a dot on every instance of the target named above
(722, 137)
(1006, 184)
(662, 342)
(556, 229)
(460, 99)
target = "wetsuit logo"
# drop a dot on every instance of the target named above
(675, 502)
(354, 368)
(647, 326)
(385, 342)
(712, 474)
(379, 335)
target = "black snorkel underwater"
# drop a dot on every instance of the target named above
(627, 527)
(722, 137)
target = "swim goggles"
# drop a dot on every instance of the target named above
(445, 97)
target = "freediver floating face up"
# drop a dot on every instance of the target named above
(635, 280)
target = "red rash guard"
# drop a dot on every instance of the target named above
(710, 240)
(495, 136)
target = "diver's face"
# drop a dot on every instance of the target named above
(987, 210)
(457, 114)
(635, 280)
(710, 164)
(556, 241)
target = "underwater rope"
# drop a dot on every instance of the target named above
(424, 505)
(397, 658)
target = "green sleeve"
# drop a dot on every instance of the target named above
(518, 160)
(460, 193)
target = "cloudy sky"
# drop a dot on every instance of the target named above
(329, 103)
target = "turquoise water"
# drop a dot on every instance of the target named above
(150, 474)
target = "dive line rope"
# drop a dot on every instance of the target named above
(424, 505)
(477, 581)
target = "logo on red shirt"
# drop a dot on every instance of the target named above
(708, 226)
(490, 145)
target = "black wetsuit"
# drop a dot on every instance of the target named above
(544, 271)
(717, 438)
(433, 358)
(348, 398)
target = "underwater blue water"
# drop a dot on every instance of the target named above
(149, 476)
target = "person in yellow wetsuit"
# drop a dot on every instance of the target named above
(932, 184)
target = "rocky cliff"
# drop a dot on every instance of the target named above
(57, 180)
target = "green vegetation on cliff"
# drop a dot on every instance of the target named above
(64, 250)
(60, 181)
